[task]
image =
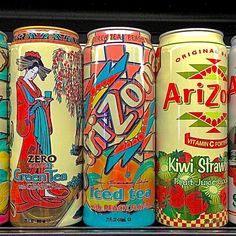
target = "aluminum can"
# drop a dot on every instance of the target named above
(119, 128)
(232, 131)
(46, 110)
(232, 187)
(4, 130)
(192, 128)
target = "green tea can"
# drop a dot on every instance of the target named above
(46, 108)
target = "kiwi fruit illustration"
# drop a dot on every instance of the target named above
(164, 173)
(211, 186)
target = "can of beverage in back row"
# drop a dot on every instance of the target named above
(4, 130)
(232, 131)
(119, 130)
(46, 111)
(192, 128)
(232, 186)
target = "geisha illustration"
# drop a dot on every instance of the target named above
(34, 125)
(33, 109)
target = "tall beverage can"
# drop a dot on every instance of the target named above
(119, 128)
(232, 131)
(192, 128)
(46, 111)
(4, 130)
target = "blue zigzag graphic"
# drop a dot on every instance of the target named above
(109, 71)
(130, 152)
(106, 73)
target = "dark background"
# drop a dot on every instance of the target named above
(83, 16)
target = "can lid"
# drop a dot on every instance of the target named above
(191, 35)
(119, 28)
(191, 29)
(43, 27)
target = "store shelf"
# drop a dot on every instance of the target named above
(89, 15)
(84, 21)
(152, 230)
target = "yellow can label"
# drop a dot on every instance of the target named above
(192, 134)
(46, 162)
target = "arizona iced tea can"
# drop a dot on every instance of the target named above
(4, 130)
(46, 99)
(192, 128)
(119, 130)
(232, 131)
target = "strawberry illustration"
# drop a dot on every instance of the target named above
(196, 203)
(177, 196)
(223, 197)
(185, 158)
(162, 196)
(232, 173)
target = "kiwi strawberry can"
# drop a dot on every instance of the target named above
(4, 130)
(119, 129)
(46, 100)
(192, 128)
(232, 131)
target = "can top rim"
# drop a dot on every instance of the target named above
(45, 27)
(231, 41)
(191, 29)
(1, 32)
(119, 28)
